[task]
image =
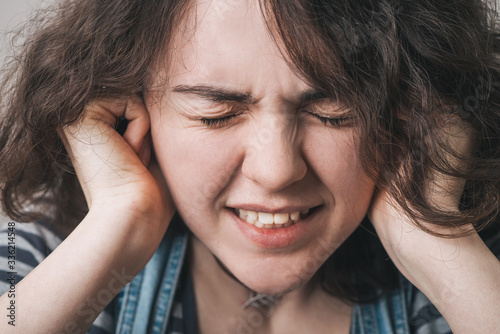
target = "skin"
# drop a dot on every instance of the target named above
(301, 159)
(274, 155)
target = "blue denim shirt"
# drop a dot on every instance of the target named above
(146, 302)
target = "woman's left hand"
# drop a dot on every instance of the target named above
(460, 276)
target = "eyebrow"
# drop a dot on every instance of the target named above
(218, 94)
(312, 95)
(215, 94)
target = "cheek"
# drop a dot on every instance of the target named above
(336, 163)
(196, 168)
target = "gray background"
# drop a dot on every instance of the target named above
(12, 14)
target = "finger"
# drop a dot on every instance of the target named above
(138, 126)
(145, 149)
(105, 110)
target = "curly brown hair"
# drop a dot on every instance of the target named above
(402, 66)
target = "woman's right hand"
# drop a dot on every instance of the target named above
(129, 212)
(113, 169)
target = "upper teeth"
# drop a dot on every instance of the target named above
(270, 220)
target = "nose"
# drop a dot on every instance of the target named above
(273, 156)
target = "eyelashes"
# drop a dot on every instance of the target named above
(226, 120)
(329, 112)
(218, 122)
(332, 121)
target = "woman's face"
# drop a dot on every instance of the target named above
(238, 138)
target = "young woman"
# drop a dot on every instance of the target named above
(253, 167)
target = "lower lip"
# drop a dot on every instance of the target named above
(275, 237)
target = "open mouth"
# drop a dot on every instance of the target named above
(272, 220)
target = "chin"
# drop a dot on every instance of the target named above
(275, 282)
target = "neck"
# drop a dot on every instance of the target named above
(216, 275)
(220, 298)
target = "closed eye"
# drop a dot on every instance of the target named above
(328, 111)
(230, 110)
(332, 121)
(218, 122)
(316, 109)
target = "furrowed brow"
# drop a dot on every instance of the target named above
(215, 94)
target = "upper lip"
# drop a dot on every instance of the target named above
(268, 209)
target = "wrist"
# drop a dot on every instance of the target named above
(131, 235)
(459, 276)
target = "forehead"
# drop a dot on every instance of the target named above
(227, 42)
